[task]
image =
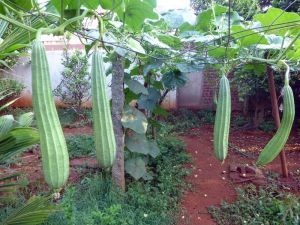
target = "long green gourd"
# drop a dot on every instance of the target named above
(102, 123)
(55, 158)
(222, 120)
(276, 144)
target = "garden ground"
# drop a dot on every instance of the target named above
(211, 181)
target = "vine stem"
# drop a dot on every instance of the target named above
(287, 72)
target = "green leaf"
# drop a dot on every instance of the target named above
(138, 143)
(134, 119)
(149, 101)
(136, 87)
(26, 119)
(244, 39)
(154, 41)
(17, 140)
(176, 18)
(136, 11)
(206, 17)
(57, 4)
(174, 79)
(91, 4)
(135, 46)
(6, 124)
(219, 51)
(34, 212)
(170, 40)
(278, 16)
(136, 167)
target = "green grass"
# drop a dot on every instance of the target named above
(80, 145)
(265, 206)
(95, 200)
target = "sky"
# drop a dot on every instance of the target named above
(163, 5)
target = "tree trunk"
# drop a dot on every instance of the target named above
(275, 113)
(117, 92)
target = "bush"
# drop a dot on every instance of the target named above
(206, 116)
(263, 206)
(74, 88)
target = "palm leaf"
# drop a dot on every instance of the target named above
(17, 140)
(8, 104)
(3, 186)
(26, 119)
(34, 212)
(6, 124)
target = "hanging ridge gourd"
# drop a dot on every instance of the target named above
(222, 120)
(105, 142)
(276, 144)
(55, 158)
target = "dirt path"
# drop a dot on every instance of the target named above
(210, 179)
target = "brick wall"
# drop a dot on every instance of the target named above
(210, 82)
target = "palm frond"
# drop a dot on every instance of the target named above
(8, 104)
(16, 140)
(6, 124)
(34, 212)
(25, 120)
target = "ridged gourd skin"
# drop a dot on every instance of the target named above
(276, 144)
(104, 137)
(55, 157)
(222, 120)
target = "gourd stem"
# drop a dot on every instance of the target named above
(287, 72)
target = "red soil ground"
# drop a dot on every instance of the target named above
(210, 178)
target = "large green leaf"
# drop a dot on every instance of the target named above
(134, 119)
(140, 144)
(136, 11)
(149, 101)
(16, 140)
(276, 16)
(247, 37)
(135, 86)
(176, 18)
(135, 46)
(174, 79)
(206, 18)
(136, 167)
(170, 40)
(221, 52)
(154, 41)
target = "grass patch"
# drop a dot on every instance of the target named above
(80, 145)
(95, 200)
(263, 206)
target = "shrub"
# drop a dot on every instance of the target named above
(267, 126)
(80, 145)
(74, 88)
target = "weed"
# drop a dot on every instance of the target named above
(80, 145)
(267, 126)
(206, 116)
(263, 206)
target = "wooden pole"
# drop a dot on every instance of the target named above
(275, 113)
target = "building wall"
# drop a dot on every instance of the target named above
(196, 94)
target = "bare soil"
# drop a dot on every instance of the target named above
(210, 179)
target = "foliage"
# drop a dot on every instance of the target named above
(12, 86)
(246, 8)
(74, 88)
(283, 4)
(96, 201)
(80, 145)
(259, 207)
(34, 212)
(206, 116)
(69, 118)
(267, 126)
